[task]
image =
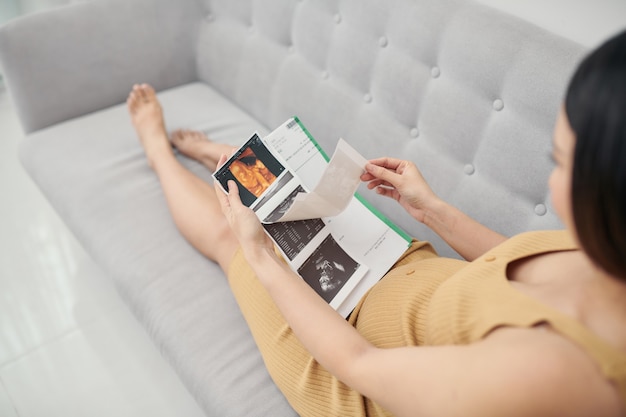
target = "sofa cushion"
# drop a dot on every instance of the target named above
(50, 59)
(94, 172)
(459, 88)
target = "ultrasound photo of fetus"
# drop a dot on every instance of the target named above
(253, 168)
(328, 269)
(252, 173)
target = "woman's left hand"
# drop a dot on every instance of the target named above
(242, 220)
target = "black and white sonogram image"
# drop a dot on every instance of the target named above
(328, 269)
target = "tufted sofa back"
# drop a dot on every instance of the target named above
(466, 92)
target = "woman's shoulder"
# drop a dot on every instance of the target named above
(552, 236)
(537, 241)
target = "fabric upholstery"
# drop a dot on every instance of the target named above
(85, 57)
(112, 201)
(468, 93)
(459, 88)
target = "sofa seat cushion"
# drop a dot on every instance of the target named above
(94, 172)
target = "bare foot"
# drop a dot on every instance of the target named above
(147, 117)
(196, 145)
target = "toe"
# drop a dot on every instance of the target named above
(148, 91)
(131, 102)
(177, 136)
(197, 135)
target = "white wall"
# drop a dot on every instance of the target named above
(29, 6)
(588, 22)
(8, 10)
(13, 8)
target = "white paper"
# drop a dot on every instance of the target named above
(339, 245)
(335, 190)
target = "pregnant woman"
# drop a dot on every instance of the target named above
(534, 325)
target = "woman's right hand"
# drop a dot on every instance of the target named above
(402, 181)
(242, 220)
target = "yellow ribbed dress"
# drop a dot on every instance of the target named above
(423, 300)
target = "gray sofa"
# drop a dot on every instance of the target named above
(468, 93)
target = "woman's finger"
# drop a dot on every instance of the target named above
(388, 192)
(233, 194)
(373, 184)
(377, 183)
(367, 177)
(221, 161)
(222, 198)
(384, 174)
(387, 162)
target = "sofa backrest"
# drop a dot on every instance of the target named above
(468, 93)
(51, 59)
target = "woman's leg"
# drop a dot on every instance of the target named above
(192, 202)
(310, 389)
(197, 145)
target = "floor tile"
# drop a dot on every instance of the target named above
(6, 406)
(48, 285)
(69, 346)
(107, 368)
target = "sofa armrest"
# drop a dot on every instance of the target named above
(84, 57)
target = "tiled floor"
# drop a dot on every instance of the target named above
(68, 345)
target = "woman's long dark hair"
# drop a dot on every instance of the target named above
(596, 108)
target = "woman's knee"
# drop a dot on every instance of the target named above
(223, 244)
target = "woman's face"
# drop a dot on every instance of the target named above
(561, 179)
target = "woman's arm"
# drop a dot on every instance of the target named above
(313, 321)
(330, 339)
(514, 372)
(517, 372)
(402, 181)
(464, 234)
